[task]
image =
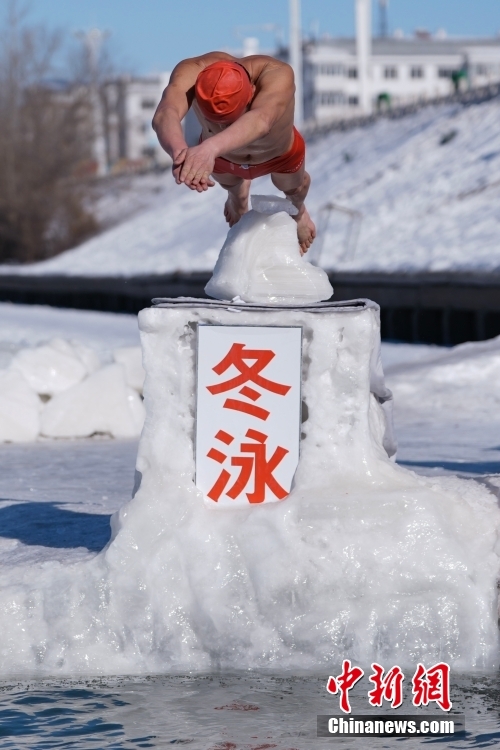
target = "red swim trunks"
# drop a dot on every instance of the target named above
(287, 163)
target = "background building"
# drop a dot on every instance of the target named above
(128, 106)
(400, 71)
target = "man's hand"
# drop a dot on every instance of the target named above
(193, 167)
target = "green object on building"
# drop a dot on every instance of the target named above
(457, 76)
(384, 101)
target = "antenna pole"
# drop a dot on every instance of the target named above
(383, 25)
(296, 58)
(363, 50)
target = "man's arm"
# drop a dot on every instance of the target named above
(275, 90)
(173, 107)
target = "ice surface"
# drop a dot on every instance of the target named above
(424, 205)
(364, 559)
(56, 497)
(260, 261)
(103, 403)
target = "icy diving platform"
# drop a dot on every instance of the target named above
(429, 307)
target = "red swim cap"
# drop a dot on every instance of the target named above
(223, 91)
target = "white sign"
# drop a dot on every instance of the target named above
(248, 413)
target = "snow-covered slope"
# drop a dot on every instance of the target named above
(425, 204)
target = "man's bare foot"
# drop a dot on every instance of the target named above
(234, 208)
(306, 230)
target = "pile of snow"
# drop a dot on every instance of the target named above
(460, 383)
(260, 261)
(447, 405)
(426, 187)
(363, 560)
(61, 390)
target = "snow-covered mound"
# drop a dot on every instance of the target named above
(462, 383)
(60, 390)
(59, 387)
(260, 261)
(427, 187)
(363, 560)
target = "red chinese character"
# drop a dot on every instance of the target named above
(237, 357)
(344, 682)
(257, 464)
(389, 688)
(432, 685)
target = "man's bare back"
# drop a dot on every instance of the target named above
(261, 133)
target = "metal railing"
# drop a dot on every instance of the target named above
(351, 234)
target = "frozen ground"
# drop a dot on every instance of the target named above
(427, 187)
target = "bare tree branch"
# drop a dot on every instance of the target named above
(46, 131)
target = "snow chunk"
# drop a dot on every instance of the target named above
(131, 359)
(56, 366)
(101, 403)
(260, 261)
(19, 409)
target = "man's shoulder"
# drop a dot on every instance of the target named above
(261, 67)
(267, 71)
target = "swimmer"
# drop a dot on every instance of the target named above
(245, 108)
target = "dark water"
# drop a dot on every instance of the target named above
(232, 712)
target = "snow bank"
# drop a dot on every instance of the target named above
(363, 560)
(56, 366)
(81, 397)
(424, 205)
(103, 403)
(459, 383)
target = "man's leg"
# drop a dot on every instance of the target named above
(296, 186)
(237, 199)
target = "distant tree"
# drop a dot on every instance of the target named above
(46, 141)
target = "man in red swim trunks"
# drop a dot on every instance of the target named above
(246, 109)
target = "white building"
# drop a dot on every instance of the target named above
(401, 70)
(128, 106)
